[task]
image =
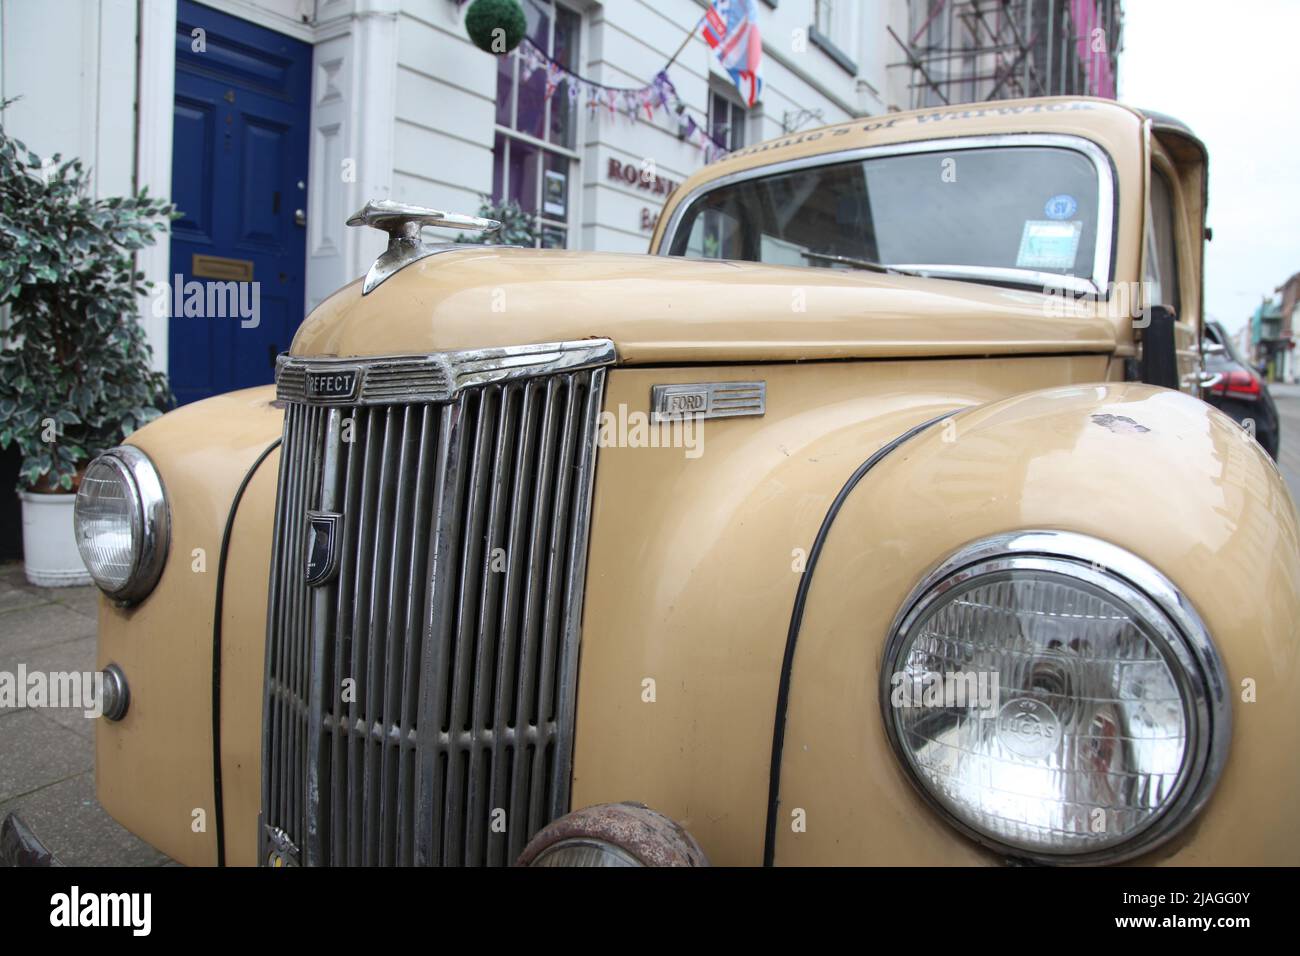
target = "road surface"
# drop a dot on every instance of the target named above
(1287, 398)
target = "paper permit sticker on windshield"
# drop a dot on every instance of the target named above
(1048, 244)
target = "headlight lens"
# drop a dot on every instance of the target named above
(584, 853)
(1056, 698)
(121, 523)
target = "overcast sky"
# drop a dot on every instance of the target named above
(1231, 72)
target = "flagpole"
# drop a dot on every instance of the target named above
(689, 36)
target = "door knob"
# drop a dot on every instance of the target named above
(300, 217)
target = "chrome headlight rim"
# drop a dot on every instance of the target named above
(150, 522)
(1165, 610)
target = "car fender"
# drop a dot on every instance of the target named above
(695, 559)
(154, 768)
(1153, 471)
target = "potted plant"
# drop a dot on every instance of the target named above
(518, 228)
(75, 374)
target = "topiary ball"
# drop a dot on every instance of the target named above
(496, 26)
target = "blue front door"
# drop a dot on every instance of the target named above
(239, 176)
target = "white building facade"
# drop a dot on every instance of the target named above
(389, 99)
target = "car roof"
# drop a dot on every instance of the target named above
(1054, 114)
(1116, 128)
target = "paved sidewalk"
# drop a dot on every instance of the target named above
(47, 757)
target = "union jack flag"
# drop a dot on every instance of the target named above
(731, 29)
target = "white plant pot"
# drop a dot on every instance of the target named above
(50, 554)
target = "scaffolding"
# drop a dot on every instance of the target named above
(965, 51)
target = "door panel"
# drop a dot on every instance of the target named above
(265, 149)
(239, 171)
(192, 151)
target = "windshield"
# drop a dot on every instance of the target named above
(1026, 208)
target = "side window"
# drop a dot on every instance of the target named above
(1162, 255)
(715, 234)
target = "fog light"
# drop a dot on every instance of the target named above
(613, 834)
(117, 695)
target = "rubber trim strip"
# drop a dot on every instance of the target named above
(218, 804)
(796, 621)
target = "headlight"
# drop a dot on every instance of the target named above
(121, 523)
(613, 834)
(1056, 698)
(584, 853)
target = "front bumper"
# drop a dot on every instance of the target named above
(19, 846)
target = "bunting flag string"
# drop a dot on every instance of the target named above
(630, 102)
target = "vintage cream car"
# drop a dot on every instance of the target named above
(871, 518)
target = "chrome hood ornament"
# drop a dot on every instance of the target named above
(403, 224)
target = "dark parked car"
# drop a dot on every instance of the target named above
(1239, 391)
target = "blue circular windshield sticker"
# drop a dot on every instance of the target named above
(1061, 207)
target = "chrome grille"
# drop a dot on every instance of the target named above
(419, 705)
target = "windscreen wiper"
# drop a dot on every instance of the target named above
(857, 263)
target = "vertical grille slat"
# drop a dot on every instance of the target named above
(429, 418)
(479, 603)
(297, 628)
(293, 589)
(488, 693)
(591, 389)
(431, 789)
(321, 628)
(510, 757)
(419, 703)
(467, 655)
(394, 657)
(358, 737)
(353, 451)
(377, 640)
(556, 549)
(526, 755)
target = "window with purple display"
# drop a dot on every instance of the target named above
(534, 157)
(726, 121)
